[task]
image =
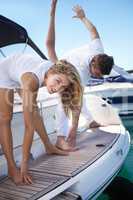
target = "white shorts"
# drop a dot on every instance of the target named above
(5, 80)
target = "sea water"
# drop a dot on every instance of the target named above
(125, 177)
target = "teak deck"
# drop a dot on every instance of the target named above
(49, 172)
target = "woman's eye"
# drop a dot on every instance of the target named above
(58, 81)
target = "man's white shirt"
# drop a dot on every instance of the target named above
(81, 58)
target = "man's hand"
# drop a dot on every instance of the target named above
(79, 12)
(53, 7)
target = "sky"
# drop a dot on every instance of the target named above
(113, 19)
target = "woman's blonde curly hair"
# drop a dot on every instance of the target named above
(71, 96)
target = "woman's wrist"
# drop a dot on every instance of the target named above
(47, 143)
(74, 126)
(25, 160)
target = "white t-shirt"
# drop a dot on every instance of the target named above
(81, 57)
(116, 70)
(13, 67)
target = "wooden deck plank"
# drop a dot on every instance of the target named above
(79, 160)
(47, 182)
(28, 188)
(2, 197)
(49, 172)
(35, 186)
(13, 192)
(54, 184)
(11, 197)
(18, 189)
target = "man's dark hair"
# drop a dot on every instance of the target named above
(105, 63)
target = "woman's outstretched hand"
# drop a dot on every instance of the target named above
(72, 137)
(53, 7)
(26, 177)
(79, 12)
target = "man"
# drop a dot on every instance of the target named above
(91, 62)
(90, 59)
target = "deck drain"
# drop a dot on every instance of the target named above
(100, 145)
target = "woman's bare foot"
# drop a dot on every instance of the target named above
(15, 175)
(52, 149)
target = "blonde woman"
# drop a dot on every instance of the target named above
(28, 73)
(66, 136)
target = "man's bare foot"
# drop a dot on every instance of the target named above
(63, 145)
(94, 124)
(51, 149)
(15, 175)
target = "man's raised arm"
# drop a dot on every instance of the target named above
(80, 14)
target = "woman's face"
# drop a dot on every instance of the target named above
(56, 83)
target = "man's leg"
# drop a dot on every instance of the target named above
(6, 110)
(90, 122)
(85, 111)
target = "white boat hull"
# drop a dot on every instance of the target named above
(90, 182)
(120, 95)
